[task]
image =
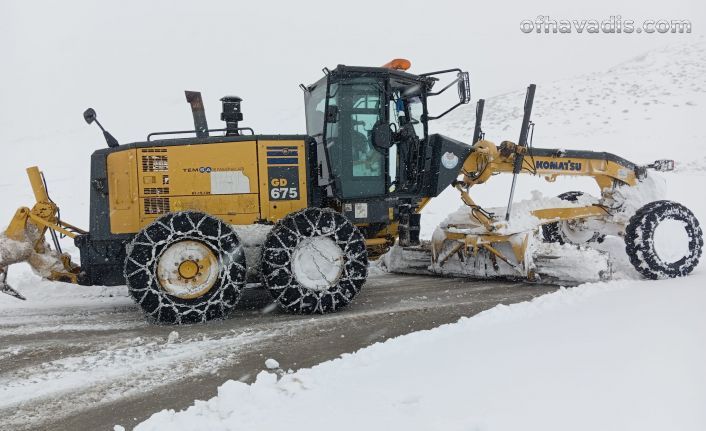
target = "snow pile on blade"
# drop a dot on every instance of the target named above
(578, 359)
(555, 263)
(521, 218)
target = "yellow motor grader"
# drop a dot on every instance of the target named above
(186, 221)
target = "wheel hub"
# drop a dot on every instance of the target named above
(317, 263)
(187, 269)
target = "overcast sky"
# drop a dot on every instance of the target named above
(131, 60)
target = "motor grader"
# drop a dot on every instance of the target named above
(187, 221)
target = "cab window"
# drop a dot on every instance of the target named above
(358, 166)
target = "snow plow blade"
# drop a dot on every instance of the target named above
(552, 264)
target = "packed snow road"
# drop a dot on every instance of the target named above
(87, 359)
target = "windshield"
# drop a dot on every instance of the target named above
(358, 165)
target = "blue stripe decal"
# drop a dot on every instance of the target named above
(282, 153)
(283, 161)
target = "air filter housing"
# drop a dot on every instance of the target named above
(231, 114)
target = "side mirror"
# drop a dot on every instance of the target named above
(89, 115)
(332, 114)
(464, 88)
(381, 135)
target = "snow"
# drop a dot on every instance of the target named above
(173, 337)
(317, 263)
(48, 294)
(146, 364)
(271, 364)
(621, 355)
(521, 218)
(671, 240)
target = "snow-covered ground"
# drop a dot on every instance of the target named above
(621, 355)
(611, 356)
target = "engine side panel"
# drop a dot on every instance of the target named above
(239, 182)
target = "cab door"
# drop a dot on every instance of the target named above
(359, 168)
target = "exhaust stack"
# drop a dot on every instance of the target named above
(197, 109)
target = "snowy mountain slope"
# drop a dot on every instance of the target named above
(648, 107)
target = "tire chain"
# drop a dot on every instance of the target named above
(146, 248)
(640, 247)
(277, 254)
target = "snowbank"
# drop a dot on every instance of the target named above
(52, 294)
(622, 355)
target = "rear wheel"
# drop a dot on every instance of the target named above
(314, 261)
(663, 240)
(570, 231)
(185, 267)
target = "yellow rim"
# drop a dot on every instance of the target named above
(187, 269)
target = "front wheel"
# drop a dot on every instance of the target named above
(185, 267)
(663, 240)
(314, 261)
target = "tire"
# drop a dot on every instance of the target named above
(640, 240)
(185, 267)
(557, 231)
(314, 261)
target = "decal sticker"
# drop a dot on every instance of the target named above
(283, 183)
(282, 155)
(558, 166)
(361, 210)
(229, 182)
(449, 160)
